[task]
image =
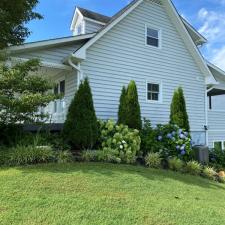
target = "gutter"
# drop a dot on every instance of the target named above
(78, 69)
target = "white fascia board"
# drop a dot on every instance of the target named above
(45, 64)
(170, 8)
(81, 53)
(48, 43)
(76, 15)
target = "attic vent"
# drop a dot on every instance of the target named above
(158, 2)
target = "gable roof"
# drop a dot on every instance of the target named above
(94, 16)
(173, 14)
(196, 36)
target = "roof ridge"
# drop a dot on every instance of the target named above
(92, 11)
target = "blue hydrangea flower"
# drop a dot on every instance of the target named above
(186, 134)
(183, 147)
(183, 152)
(182, 136)
(169, 136)
(159, 138)
(178, 147)
(174, 133)
(180, 131)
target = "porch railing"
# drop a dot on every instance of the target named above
(56, 111)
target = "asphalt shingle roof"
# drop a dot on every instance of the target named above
(95, 16)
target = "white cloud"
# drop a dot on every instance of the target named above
(213, 28)
(219, 58)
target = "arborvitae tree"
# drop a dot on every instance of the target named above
(133, 112)
(81, 127)
(178, 112)
(122, 107)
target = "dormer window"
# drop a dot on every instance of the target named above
(153, 37)
(79, 29)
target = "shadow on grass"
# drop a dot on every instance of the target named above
(115, 170)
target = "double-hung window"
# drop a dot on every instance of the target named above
(153, 37)
(154, 92)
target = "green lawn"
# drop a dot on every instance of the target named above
(93, 193)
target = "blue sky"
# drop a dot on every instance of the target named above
(207, 16)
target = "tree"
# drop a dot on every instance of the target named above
(122, 107)
(23, 93)
(81, 127)
(14, 14)
(178, 112)
(133, 112)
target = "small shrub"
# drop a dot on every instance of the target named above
(153, 160)
(120, 141)
(193, 168)
(90, 156)
(209, 172)
(110, 155)
(175, 164)
(64, 157)
(24, 155)
(220, 178)
(217, 157)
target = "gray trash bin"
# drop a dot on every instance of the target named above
(202, 153)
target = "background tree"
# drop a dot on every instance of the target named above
(133, 112)
(21, 94)
(14, 14)
(122, 107)
(81, 127)
(178, 112)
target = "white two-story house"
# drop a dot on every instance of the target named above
(148, 42)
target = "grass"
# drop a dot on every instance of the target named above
(100, 194)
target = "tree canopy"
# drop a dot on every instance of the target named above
(14, 15)
(22, 93)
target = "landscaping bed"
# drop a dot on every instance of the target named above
(98, 193)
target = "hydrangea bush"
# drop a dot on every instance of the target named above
(123, 143)
(174, 141)
(169, 140)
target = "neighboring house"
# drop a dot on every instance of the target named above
(147, 41)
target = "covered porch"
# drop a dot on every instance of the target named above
(64, 80)
(216, 107)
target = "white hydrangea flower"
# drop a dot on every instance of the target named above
(124, 142)
(121, 146)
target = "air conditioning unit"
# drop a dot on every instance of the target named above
(202, 153)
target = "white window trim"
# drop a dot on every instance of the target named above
(222, 141)
(160, 101)
(160, 36)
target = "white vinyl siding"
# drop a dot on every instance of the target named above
(91, 27)
(120, 56)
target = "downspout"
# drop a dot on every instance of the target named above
(78, 69)
(206, 118)
(206, 115)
